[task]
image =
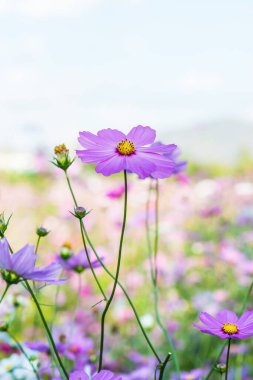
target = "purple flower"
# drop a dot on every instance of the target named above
(195, 374)
(162, 171)
(77, 262)
(113, 152)
(227, 325)
(38, 345)
(103, 375)
(21, 265)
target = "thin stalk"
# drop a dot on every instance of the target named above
(148, 233)
(113, 277)
(70, 188)
(21, 349)
(37, 245)
(55, 308)
(4, 293)
(227, 361)
(47, 329)
(155, 285)
(163, 366)
(116, 277)
(90, 264)
(156, 227)
(245, 302)
(83, 238)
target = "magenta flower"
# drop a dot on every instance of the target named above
(117, 192)
(113, 151)
(21, 265)
(103, 375)
(227, 325)
(77, 262)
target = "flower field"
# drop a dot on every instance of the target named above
(186, 252)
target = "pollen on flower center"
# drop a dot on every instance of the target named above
(125, 147)
(230, 328)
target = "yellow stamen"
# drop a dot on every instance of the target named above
(67, 244)
(59, 149)
(230, 328)
(126, 147)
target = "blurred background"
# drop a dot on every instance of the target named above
(183, 68)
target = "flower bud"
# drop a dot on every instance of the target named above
(4, 326)
(93, 358)
(10, 277)
(66, 252)
(61, 158)
(221, 368)
(42, 231)
(80, 212)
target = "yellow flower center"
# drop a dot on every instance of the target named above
(125, 147)
(230, 328)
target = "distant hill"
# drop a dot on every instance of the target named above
(220, 141)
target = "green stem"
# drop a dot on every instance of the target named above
(83, 238)
(25, 355)
(245, 302)
(227, 361)
(70, 188)
(4, 293)
(148, 233)
(113, 277)
(116, 277)
(156, 227)
(55, 308)
(47, 329)
(163, 366)
(90, 264)
(155, 286)
(37, 245)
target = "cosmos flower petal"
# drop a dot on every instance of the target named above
(90, 141)
(209, 321)
(5, 254)
(113, 165)
(78, 375)
(243, 335)
(24, 260)
(48, 274)
(94, 156)
(211, 331)
(246, 318)
(106, 375)
(140, 165)
(141, 135)
(167, 150)
(112, 136)
(227, 316)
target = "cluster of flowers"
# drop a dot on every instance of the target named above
(112, 152)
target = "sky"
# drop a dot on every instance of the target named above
(71, 65)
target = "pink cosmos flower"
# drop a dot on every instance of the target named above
(227, 325)
(21, 265)
(117, 192)
(113, 151)
(103, 375)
